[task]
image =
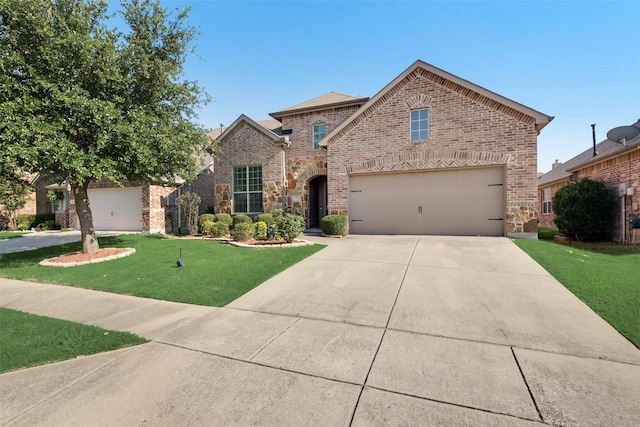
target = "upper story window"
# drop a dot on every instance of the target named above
(247, 189)
(420, 124)
(546, 201)
(319, 131)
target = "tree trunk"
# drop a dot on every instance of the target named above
(89, 240)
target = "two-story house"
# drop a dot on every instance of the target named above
(430, 153)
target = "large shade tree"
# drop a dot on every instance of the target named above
(81, 99)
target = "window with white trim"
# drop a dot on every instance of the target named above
(420, 124)
(546, 201)
(247, 189)
(319, 131)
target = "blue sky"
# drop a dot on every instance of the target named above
(577, 61)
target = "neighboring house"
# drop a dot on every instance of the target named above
(617, 165)
(431, 153)
(146, 206)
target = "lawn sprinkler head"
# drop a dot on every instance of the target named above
(180, 262)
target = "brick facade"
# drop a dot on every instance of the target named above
(464, 131)
(612, 170)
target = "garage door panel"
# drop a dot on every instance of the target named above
(116, 209)
(455, 202)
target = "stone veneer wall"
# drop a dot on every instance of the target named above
(465, 129)
(303, 161)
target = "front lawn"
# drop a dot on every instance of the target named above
(28, 340)
(4, 235)
(605, 276)
(214, 273)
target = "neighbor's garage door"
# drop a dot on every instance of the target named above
(117, 209)
(453, 202)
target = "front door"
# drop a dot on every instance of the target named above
(317, 200)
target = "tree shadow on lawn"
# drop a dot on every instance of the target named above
(32, 257)
(605, 248)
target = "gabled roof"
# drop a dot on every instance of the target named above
(331, 99)
(274, 136)
(605, 149)
(541, 119)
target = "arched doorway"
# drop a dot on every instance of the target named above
(317, 200)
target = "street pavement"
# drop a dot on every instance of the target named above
(372, 330)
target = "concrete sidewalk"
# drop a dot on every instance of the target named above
(372, 330)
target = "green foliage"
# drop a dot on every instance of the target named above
(241, 219)
(190, 204)
(205, 217)
(290, 226)
(83, 100)
(14, 192)
(220, 229)
(206, 227)
(243, 231)
(29, 221)
(267, 218)
(260, 230)
(224, 218)
(277, 213)
(49, 224)
(546, 233)
(584, 210)
(335, 225)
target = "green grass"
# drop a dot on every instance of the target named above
(546, 233)
(606, 277)
(4, 235)
(28, 340)
(214, 274)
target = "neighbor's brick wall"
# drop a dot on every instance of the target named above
(546, 220)
(203, 186)
(157, 217)
(465, 131)
(615, 171)
(244, 147)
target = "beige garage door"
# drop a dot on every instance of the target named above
(449, 202)
(116, 209)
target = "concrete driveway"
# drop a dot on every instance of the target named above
(372, 330)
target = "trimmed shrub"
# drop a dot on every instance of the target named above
(215, 229)
(260, 230)
(335, 225)
(224, 218)
(48, 225)
(584, 210)
(29, 221)
(290, 226)
(205, 218)
(243, 231)
(241, 219)
(267, 218)
(206, 226)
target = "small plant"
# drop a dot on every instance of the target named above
(335, 225)
(290, 226)
(224, 218)
(243, 231)
(190, 204)
(267, 218)
(261, 230)
(204, 218)
(219, 229)
(241, 219)
(206, 227)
